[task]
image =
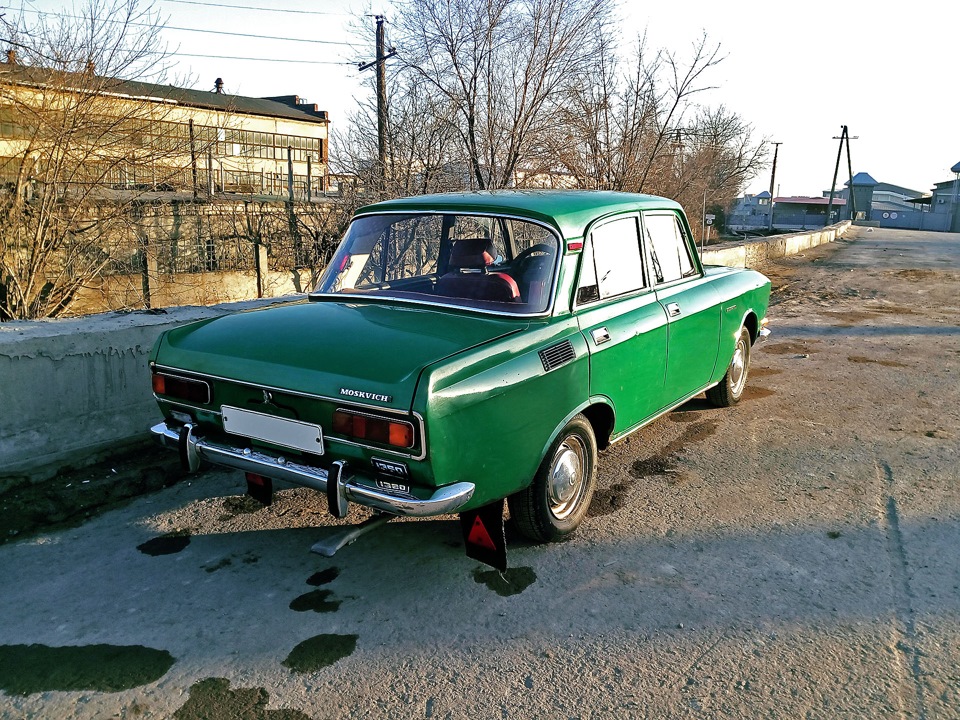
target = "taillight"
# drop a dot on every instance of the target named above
(182, 388)
(383, 430)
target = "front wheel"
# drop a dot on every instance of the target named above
(729, 391)
(555, 503)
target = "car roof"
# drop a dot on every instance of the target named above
(570, 211)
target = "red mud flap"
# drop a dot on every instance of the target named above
(260, 488)
(484, 535)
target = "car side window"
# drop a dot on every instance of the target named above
(669, 249)
(611, 264)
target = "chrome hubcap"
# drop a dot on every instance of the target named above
(566, 477)
(738, 368)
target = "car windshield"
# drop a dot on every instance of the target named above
(479, 261)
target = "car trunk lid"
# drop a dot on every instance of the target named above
(359, 351)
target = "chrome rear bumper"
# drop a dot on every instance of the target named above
(349, 486)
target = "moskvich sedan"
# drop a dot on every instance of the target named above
(465, 349)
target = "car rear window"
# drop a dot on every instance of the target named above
(484, 262)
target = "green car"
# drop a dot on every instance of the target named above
(463, 349)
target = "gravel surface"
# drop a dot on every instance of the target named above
(793, 556)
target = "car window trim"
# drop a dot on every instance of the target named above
(588, 238)
(687, 240)
(446, 214)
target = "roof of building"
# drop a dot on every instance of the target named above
(899, 189)
(862, 178)
(801, 200)
(289, 106)
(892, 206)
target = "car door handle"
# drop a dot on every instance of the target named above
(600, 335)
(673, 309)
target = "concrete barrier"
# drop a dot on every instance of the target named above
(73, 391)
(755, 253)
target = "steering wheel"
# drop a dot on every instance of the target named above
(534, 260)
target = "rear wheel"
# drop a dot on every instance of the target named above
(555, 503)
(730, 389)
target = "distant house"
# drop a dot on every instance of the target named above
(945, 199)
(801, 212)
(876, 203)
(163, 138)
(888, 205)
(750, 213)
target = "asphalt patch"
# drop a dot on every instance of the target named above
(787, 348)
(168, 544)
(28, 669)
(662, 462)
(240, 505)
(752, 392)
(885, 363)
(212, 699)
(317, 601)
(684, 417)
(319, 652)
(513, 581)
(76, 495)
(225, 562)
(915, 275)
(324, 577)
(609, 500)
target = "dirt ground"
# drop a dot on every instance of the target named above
(793, 556)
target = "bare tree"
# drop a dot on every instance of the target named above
(79, 150)
(534, 93)
(421, 143)
(643, 131)
(498, 68)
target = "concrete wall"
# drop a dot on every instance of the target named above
(754, 253)
(73, 391)
(166, 291)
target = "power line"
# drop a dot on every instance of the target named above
(251, 7)
(261, 59)
(247, 35)
(199, 30)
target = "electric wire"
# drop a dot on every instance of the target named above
(261, 59)
(251, 7)
(200, 30)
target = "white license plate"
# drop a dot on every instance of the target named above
(275, 430)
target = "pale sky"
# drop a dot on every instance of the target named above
(796, 72)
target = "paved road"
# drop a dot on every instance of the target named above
(795, 556)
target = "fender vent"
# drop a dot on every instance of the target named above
(557, 355)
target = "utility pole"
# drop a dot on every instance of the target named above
(853, 200)
(773, 175)
(844, 136)
(380, 64)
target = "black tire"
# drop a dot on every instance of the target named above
(557, 500)
(729, 391)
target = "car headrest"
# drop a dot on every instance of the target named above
(471, 253)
